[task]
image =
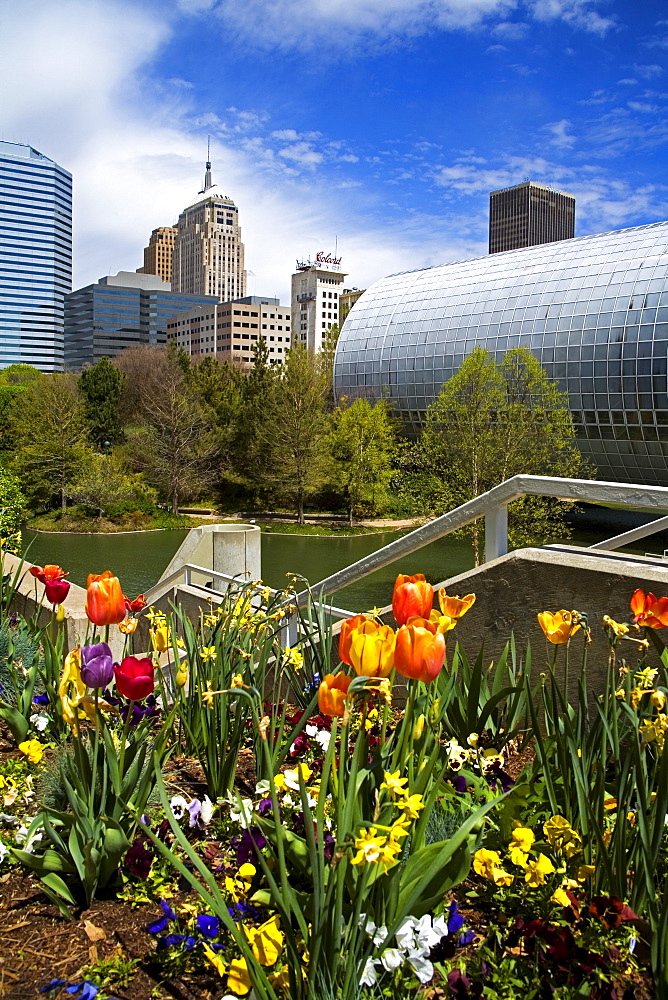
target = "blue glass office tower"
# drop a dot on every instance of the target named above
(119, 311)
(35, 256)
(593, 311)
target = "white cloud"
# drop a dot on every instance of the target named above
(649, 71)
(578, 13)
(559, 134)
(512, 30)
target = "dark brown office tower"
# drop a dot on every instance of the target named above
(527, 214)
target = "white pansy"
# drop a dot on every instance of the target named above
(263, 787)
(311, 731)
(323, 738)
(40, 722)
(391, 959)
(421, 966)
(380, 935)
(369, 974)
(178, 805)
(405, 935)
(241, 811)
(4, 851)
(206, 811)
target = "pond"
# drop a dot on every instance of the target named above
(140, 557)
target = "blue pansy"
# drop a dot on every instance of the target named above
(159, 925)
(208, 926)
(455, 919)
(53, 985)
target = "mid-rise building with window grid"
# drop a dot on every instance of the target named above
(316, 287)
(593, 310)
(528, 214)
(208, 255)
(230, 331)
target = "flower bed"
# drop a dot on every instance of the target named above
(179, 833)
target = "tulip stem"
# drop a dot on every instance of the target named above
(96, 743)
(124, 739)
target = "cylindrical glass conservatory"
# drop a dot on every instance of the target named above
(592, 310)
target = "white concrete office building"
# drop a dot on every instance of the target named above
(316, 286)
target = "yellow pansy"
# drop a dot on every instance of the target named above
(33, 750)
(560, 896)
(585, 872)
(517, 855)
(485, 861)
(267, 941)
(538, 869)
(523, 838)
(216, 960)
(238, 978)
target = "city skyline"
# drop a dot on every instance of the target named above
(384, 125)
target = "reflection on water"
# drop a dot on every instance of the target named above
(140, 557)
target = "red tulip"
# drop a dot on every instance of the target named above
(420, 651)
(134, 677)
(105, 604)
(649, 610)
(48, 574)
(412, 597)
(56, 590)
(138, 604)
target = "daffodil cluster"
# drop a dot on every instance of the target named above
(382, 844)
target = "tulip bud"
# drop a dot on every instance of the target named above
(418, 728)
(434, 711)
(181, 677)
(60, 613)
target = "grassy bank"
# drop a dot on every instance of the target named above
(76, 520)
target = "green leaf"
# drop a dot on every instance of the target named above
(17, 723)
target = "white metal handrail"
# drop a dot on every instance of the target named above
(493, 506)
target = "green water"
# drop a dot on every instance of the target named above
(139, 558)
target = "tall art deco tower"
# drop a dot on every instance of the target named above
(208, 256)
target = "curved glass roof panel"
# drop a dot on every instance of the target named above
(593, 310)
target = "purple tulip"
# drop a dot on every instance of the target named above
(97, 665)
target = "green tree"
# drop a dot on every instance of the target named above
(101, 388)
(20, 374)
(51, 437)
(102, 481)
(253, 448)
(492, 422)
(12, 511)
(219, 386)
(362, 445)
(176, 446)
(294, 428)
(14, 381)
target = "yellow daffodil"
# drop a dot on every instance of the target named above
(394, 784)
(208, 653)
(411, 806)
(658, 700)
(369, 847)
(619, 629)
(538, 869)
(418, 728)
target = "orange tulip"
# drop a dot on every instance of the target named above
(649, 610)
(412, 597)
(455, 607)
(105, 604)
(372, 649)
(420, 650)
(558, 627)
(332, 693)
(48, 574)
(344, 636)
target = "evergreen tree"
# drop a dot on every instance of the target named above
(101, 388)
(253, 448)
(362, 444)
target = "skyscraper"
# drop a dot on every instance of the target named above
(528, 214)
(158, 254)
(35, 256)
(208, 256)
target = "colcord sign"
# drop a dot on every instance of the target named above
(326, 258)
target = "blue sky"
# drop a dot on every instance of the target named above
(381, 123)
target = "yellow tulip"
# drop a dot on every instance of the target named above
(372, 653)
(558, 628)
